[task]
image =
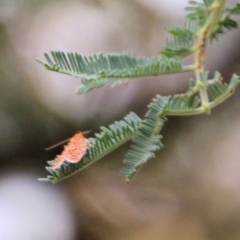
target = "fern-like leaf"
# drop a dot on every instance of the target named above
(182, 41)
(111, 69)
(219, 91)
(227, 23)
(147, 140)
(189, 104)
(198, 11)
(182, 104)
(104, 142)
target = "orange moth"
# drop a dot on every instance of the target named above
(73, 152)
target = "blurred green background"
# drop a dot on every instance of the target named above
(190, 191)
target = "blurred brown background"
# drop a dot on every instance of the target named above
(190, 191)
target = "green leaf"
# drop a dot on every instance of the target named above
(234, 10)
(182, 104)
(111, 69)
(182, 41)
(104, 142)
(198, 11)
(147, 139)
(227, 23)
(219, 91)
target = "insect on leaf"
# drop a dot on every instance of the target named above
(74, 151)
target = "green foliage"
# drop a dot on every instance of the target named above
(103, 143)
(111, 69)
(227, 23)
(198, 11)
(206, 20)
(147, 140)
(182, 41)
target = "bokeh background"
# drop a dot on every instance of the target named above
(190, 191)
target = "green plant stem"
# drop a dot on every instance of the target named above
(215, 13)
